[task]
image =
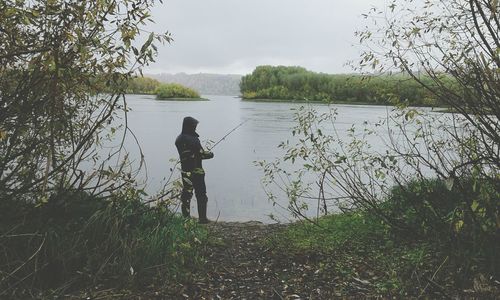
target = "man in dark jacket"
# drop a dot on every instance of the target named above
(191, 154)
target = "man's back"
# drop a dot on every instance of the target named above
(189, 149)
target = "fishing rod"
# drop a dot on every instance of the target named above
(227, 134)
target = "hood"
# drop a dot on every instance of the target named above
(189, 125)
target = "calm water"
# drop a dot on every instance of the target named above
(233, 181)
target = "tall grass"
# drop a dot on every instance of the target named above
(77, 241)
(463, 219)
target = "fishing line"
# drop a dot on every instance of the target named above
(227, 134)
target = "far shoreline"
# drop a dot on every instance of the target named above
(182, 99)
(169, 99)
(330, 102)
(439, 109)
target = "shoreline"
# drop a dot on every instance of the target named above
(332, 102)
(182, 99)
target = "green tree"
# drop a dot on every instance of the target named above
(55, 58)
(301, 84)
(64, 66)
(142, 85)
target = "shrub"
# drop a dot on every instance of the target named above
(462, 217)
(174, 90)
(76, 240)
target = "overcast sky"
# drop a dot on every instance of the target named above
(235, 36)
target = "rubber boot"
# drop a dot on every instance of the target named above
(202, 212)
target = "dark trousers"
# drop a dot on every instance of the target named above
(194, 181)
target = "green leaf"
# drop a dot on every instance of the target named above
(474, 205)
(148, 42)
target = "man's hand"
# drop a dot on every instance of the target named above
(207, 155)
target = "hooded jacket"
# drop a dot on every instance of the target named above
(189, 147)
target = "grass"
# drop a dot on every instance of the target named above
(445, 243)
(356, 245)
(332, 232)
(76, 242)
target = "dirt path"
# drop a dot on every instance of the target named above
(240, 266)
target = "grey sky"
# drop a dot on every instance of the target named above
(235, 36)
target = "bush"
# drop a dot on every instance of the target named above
(76, 240)
(422, 206)
(462, 218)
(174, 90)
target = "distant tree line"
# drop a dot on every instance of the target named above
(132, 85)
(149, 86)
(297, 83)
(205, 84)
(142, 85)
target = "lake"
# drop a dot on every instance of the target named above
(234, 185)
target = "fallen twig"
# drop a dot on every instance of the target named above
(21, 266)
(431, 280)
(277, 294)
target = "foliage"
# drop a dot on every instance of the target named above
(70, 208)
(296, 83)
(80, 240)
(55, 58)
(437, 175)
(458, 40)
(174, 90)
(440, 40)
(357, 247)
(459, 213)
(464, 219)
(142, 85)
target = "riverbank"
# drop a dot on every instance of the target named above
(267, 100)
(346, 257)
(311, 101)
(172, 98)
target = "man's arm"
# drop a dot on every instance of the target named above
(203, 153)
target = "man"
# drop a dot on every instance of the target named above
(191, 154)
